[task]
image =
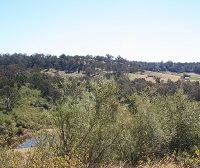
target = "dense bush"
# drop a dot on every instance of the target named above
(143, 127)
(99, 122)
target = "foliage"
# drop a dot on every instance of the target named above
(162, 125)
(37, 158)
(24, 115)
(88, 64)
(98, 121)
(91, 124)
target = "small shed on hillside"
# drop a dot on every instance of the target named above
(187, 77)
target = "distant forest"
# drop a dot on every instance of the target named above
(18, 70)
(89, 64)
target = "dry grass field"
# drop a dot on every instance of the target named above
(147, 75)
(150, 76)
(54, 72)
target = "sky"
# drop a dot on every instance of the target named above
(137, 30)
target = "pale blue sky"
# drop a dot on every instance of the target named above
(141, 30)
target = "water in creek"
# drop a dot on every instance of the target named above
(28, 143)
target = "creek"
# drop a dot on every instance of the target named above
(27, 143)
(33, 141)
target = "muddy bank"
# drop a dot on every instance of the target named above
(16, 140)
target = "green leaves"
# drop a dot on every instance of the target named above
(94, 122)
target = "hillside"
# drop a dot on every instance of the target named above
(151, 76)
(103, 115)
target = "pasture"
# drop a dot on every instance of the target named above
(150, 76)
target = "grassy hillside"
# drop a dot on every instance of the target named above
(147, 75)
(54, 72)
(150, 76)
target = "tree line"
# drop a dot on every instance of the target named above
(21, 70)
(89, 64)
